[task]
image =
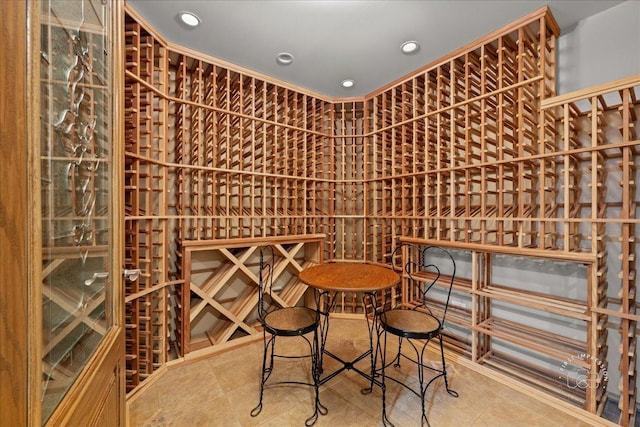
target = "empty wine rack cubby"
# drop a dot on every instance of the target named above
(474, 151)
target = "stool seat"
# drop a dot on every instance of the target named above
(291, 321)
(410, 323)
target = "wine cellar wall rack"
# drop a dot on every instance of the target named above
(474, 149)
(498, 310)
(223, 279)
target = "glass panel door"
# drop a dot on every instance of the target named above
(76, 161)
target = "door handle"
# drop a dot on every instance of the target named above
(131, 275)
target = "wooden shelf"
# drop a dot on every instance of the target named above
(550, 303)
(539, 340)
(545, 380)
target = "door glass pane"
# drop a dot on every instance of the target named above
(76, 153)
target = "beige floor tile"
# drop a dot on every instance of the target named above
(223, 389)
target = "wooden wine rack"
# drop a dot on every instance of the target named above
(223, 281)
(549, 358)
(452, 145)
(598, 143)
(151, 308)
(211, 153)
(474, 149)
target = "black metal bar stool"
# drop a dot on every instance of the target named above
(419, 325)
(286, 322)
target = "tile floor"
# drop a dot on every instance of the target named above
(222, 390)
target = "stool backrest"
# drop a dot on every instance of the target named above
(265, 279)
(426, 267)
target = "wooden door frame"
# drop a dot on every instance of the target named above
(20, 225)
(20, 296)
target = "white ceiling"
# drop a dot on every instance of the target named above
(333, 40)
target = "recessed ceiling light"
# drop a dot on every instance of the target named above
(409, 47)
(189, 19)
(348, 83)
(284, 58)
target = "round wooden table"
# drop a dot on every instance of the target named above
(349, 277)
(329, 279)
